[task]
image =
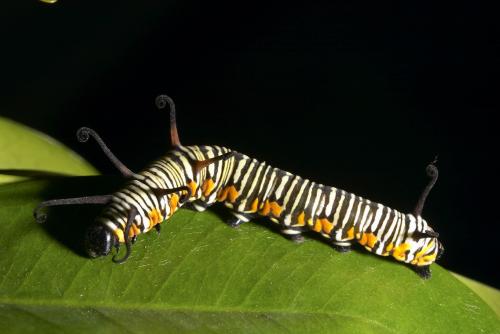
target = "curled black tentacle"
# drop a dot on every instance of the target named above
(162, 100)
(432, 173)
(83, 134)
(40, 217)
(128, 242)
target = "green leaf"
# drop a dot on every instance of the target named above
(490, 295)
(24, 151)
(201, 276)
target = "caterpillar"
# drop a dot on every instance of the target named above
(199, 176)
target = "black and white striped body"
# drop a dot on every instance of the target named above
(250, 188)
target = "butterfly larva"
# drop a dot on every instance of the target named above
(203, 175)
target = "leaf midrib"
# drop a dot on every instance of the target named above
(171, 309)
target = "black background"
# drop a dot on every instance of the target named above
(358, 96)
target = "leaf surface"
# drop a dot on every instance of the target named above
(201, 276)
(25, 152)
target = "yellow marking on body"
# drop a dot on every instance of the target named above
(372, 239)
(399, 253)
(300, 219)
(155, 217)
(119, 234)
(363, 239)
(389, 247)
(419, 256)
(424, 250)
(174, 201)
(193, 186)
(310, 222)
(424, 260)
(255, 203)
(207, 187)
(350, 233)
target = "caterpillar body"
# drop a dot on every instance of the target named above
(200, 176)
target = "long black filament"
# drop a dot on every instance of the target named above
(42, 217)
(432, 173)
(83, 136)
(183, 198)
(128, 244)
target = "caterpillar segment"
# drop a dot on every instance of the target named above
(199, 176)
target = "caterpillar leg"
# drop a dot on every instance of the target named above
(238, 218)
(294, 235)
(341, 247)
(423, 271)
(158, 228)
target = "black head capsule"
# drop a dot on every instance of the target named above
(99, 241)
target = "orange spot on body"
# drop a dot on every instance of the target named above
(193, 186)
(233, 194)
(399, 252)
(266, 208)
(317, 226)
(350, 233)
(372, 239)
(255, 203)
(222, 194)
(155, 218)
(207, 187)
(270, 208)
(300, 219)
(364, 239)
(174, 201)
(134, 230)
(326, 225)
(275, 209)
(228, 193)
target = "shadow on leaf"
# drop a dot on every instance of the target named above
(68, 223)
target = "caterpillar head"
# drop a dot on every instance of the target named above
(99, 241)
